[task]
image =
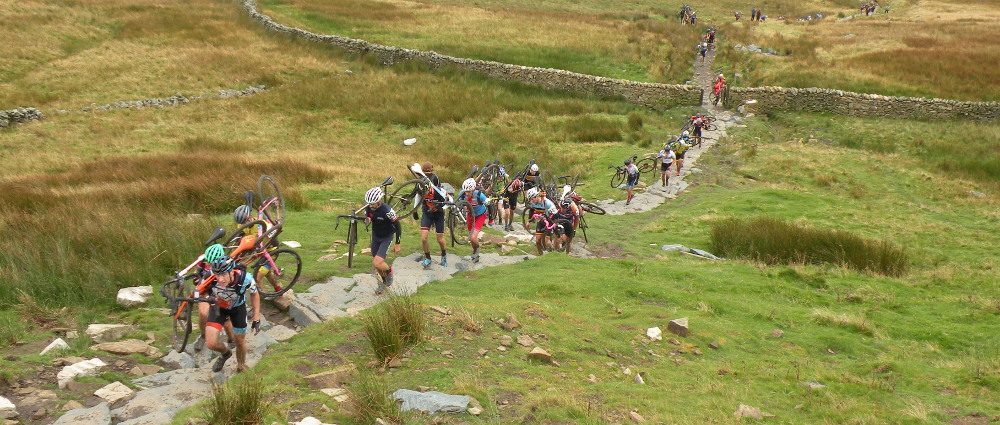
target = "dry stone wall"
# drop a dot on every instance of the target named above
(652, 95)
(17, 116)
(858, 104)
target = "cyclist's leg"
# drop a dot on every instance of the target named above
(380, 249)
(539, 235)
(238, 323)
(438, 222)
(477, 227)
(212, 329)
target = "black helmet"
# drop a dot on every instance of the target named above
(222, 265)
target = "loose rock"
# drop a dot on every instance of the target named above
(113, 392)
(136, 295)
(99, 333)
(679, 327)
(57, 345)
(85, 368)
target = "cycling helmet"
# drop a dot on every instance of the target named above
(222, 265)
(566, 203)
(242, 214)
(469, 184)
(533, 192)
(628, 161)
(373, 195)
(684, 133)
(720, 76)
(213, 252)
(534, 168)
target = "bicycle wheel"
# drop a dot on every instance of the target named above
(279, 279)
(458, 224)
(646, 165)
(711, 127)
(270, 201)
(352, 241)
(592, 208)
(234, 238)
(182, 325)
(617, 179)
(583, 228)
(405, 199)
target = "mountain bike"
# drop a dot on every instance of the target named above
(647, 164)
(407, 197)
(352, 228)
(619, 177)
(260, 253)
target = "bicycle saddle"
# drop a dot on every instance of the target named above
(218, 233)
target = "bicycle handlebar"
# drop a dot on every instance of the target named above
(350, 216)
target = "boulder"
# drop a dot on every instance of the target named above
(177, 360)
(56, 345)
(99, 333)
(7, 409)
(128, 346)
(431, 401)
(285, 300)
(136, 295)
(280, 333)
(85, 368)
(679, 327)
(113, 392)
(540, 354)
(97, 415)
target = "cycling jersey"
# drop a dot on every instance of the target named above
(434, 193)
(679, 146)
(476, 199)
(384, 222)
(632, 170)
(234, 295)
(666, 156)
(530, 179)
(541, 207)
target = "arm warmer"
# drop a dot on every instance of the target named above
(399, 229)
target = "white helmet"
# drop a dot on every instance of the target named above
(720, 76)
(684, 133)
(373, 195)
(533, 192)
(534, 168)
(469, 184)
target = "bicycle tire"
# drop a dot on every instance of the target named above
(289, 266)
(583, 228)
(182, 326)
(406, 198)
(526, 217)
(487, 176)
(352, 241)
(617, 179)
(646, 165)
(458, 224)
(592, 208)
(268, 190)
(711, 127)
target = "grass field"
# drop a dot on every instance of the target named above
(105, 197)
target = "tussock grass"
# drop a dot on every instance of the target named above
(775, 241)
(854, 323)
(393, 326)
(370, 399)
(240, 401)
(12, 329)
(589, 128)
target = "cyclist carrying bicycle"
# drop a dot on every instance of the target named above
(510, 193)
(631, 179)
(433, 215)
(385, 223)
(564, 234)
(540, 206)
(242, 215)
(531, 178)
(680, 147)
(478, 201)
(204, 270)
(698, 123)
(666, 158)
(230, 288)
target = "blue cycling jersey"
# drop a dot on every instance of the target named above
(477, 199)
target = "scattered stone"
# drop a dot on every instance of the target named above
(395, 363)
(7, 409)
(510, 323)
(72, 405)
(506, 340)
(105, 332)
(813, 385)
(291, 244)
(501, 348)
(113, 392)
(366, 251)
(977, 194)
(591, 378)
(85, 368)
(679, 327)
(674, 341)
(128, 346)
(309, 420)
(136, 295)
(431, 401)
(57, 345)
(281, 332)
(714, 345)
(696, 351)
(540, 354)
(285, 300)
(777, 333)
(332, 378)
(639, 379)
(441, 310)
(475, 411)
(744, 411)
(525, 340)
(483, 351)
(636, 417)
(448, 354)
(39, 414)
(97, 415)
(175, 360)
(654, 334)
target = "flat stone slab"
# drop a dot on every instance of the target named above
(85, 368)
(431, 401)
(97, 415)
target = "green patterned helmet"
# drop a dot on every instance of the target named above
(213, 252)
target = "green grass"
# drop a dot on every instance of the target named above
(239, 401)
(773, 241)
(393, 326)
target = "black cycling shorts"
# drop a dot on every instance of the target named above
(238, 315)
(540, 228)
(380, 246)
(566, 228)
(664, 166)
(696, 131)
(510, 200)
(429, 218)
(680, 155)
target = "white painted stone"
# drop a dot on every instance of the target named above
(85, 368)
(654, 333)
(136, 295)
(56, 345)
(113, 392)
(7, 409)
(291, 244)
